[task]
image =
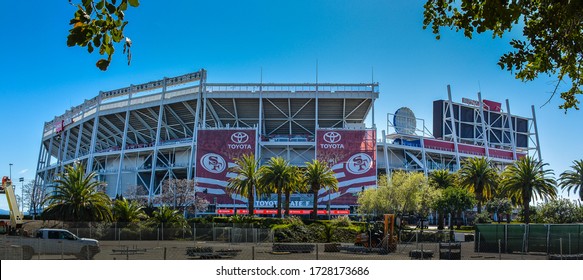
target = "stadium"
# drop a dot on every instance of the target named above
(185, 128)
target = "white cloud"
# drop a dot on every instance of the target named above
(23, 171)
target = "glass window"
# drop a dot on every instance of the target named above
(53, 235)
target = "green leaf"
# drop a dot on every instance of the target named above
(97, 40)
(102, 64)
(134, 3)
(110, 8)
(123, 6)
(100, 5)
(90, 48)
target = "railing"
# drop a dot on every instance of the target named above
(292, 87)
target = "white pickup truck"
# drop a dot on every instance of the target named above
(54, 242)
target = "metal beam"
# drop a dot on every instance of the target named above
(152, 186)
(146, 125)
(134, 131)
(118, 189)
(173, 113)
(484, 130)
(119, 131)
(511, 125)
(536, 134)
(453, 128)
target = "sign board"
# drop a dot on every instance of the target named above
(352, 156)
(471, 102)
(216, 151)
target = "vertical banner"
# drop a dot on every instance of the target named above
(216, 151)
(352, 156)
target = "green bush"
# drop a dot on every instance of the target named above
(129, 234)
(314, 233)
(467, 228)
(342, 221)
(560, 211)
(482, 218)
(221, 220)
(293, 221)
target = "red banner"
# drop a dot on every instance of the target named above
(352, 156)
(216, 151)
(273, 212)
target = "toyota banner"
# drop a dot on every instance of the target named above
(216, 151)
(352, 156)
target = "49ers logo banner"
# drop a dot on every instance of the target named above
(352, 156)
(216, 151)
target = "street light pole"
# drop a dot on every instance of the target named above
(10, 164)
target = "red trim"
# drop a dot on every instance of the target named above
(225, 211)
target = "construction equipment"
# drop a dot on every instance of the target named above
(381, 235)
(15, 214)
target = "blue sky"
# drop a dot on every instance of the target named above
(42, 77)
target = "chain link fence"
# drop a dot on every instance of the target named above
(246, 242)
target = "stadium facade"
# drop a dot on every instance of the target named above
(136, 137)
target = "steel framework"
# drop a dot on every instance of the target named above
(138, 136)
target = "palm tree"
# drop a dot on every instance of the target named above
(247, 181)
(296, 184)
(317, 176)
(171, 221)
(479, 177)
(128, 211)
(441, 179)
(527, 179)
(168, 217)
(276, 175)
(78, 197)
(573, 179)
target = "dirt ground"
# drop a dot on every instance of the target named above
(176, 250)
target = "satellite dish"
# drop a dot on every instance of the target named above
(405, 121)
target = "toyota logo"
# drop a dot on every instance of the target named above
(332, 137)
(213, 163)
(239, 137)
(359, 163)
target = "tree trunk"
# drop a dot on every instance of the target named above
(458, 219)
(440, 217)
(314, 214)
(279, 202)
(527, 212)
(479, 198)
(526, 201)
(251, 202)
(287, 199)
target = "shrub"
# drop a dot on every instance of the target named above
(467, 228)
(293, 221)
(342, 221)
(560, 211)
(482, 218)
(221, 220)
(315, 232)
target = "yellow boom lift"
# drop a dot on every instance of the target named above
(15, 214)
